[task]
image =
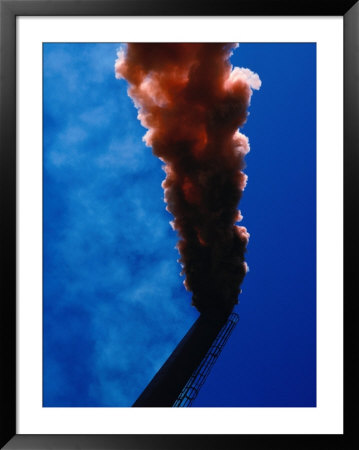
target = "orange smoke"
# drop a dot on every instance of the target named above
(192, 102)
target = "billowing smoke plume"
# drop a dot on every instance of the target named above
(192, 102)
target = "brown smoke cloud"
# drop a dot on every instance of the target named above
(192, 102)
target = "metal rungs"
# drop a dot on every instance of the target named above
(198, 377)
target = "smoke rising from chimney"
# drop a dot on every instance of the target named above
(192, 102)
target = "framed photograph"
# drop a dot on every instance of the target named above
(174, 183)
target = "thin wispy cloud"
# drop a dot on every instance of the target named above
(108, 268)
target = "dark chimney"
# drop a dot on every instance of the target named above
(168, 383)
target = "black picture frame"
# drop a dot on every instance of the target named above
(9, 10)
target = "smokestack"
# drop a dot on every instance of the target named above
(192, 101)
(169, 382)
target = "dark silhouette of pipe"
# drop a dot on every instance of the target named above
(169, 381)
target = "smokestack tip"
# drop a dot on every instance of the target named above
(218, 310)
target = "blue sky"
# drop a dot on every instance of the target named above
(114, 303)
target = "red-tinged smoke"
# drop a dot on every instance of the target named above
(192, 102)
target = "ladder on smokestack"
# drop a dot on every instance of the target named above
(197, 379)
